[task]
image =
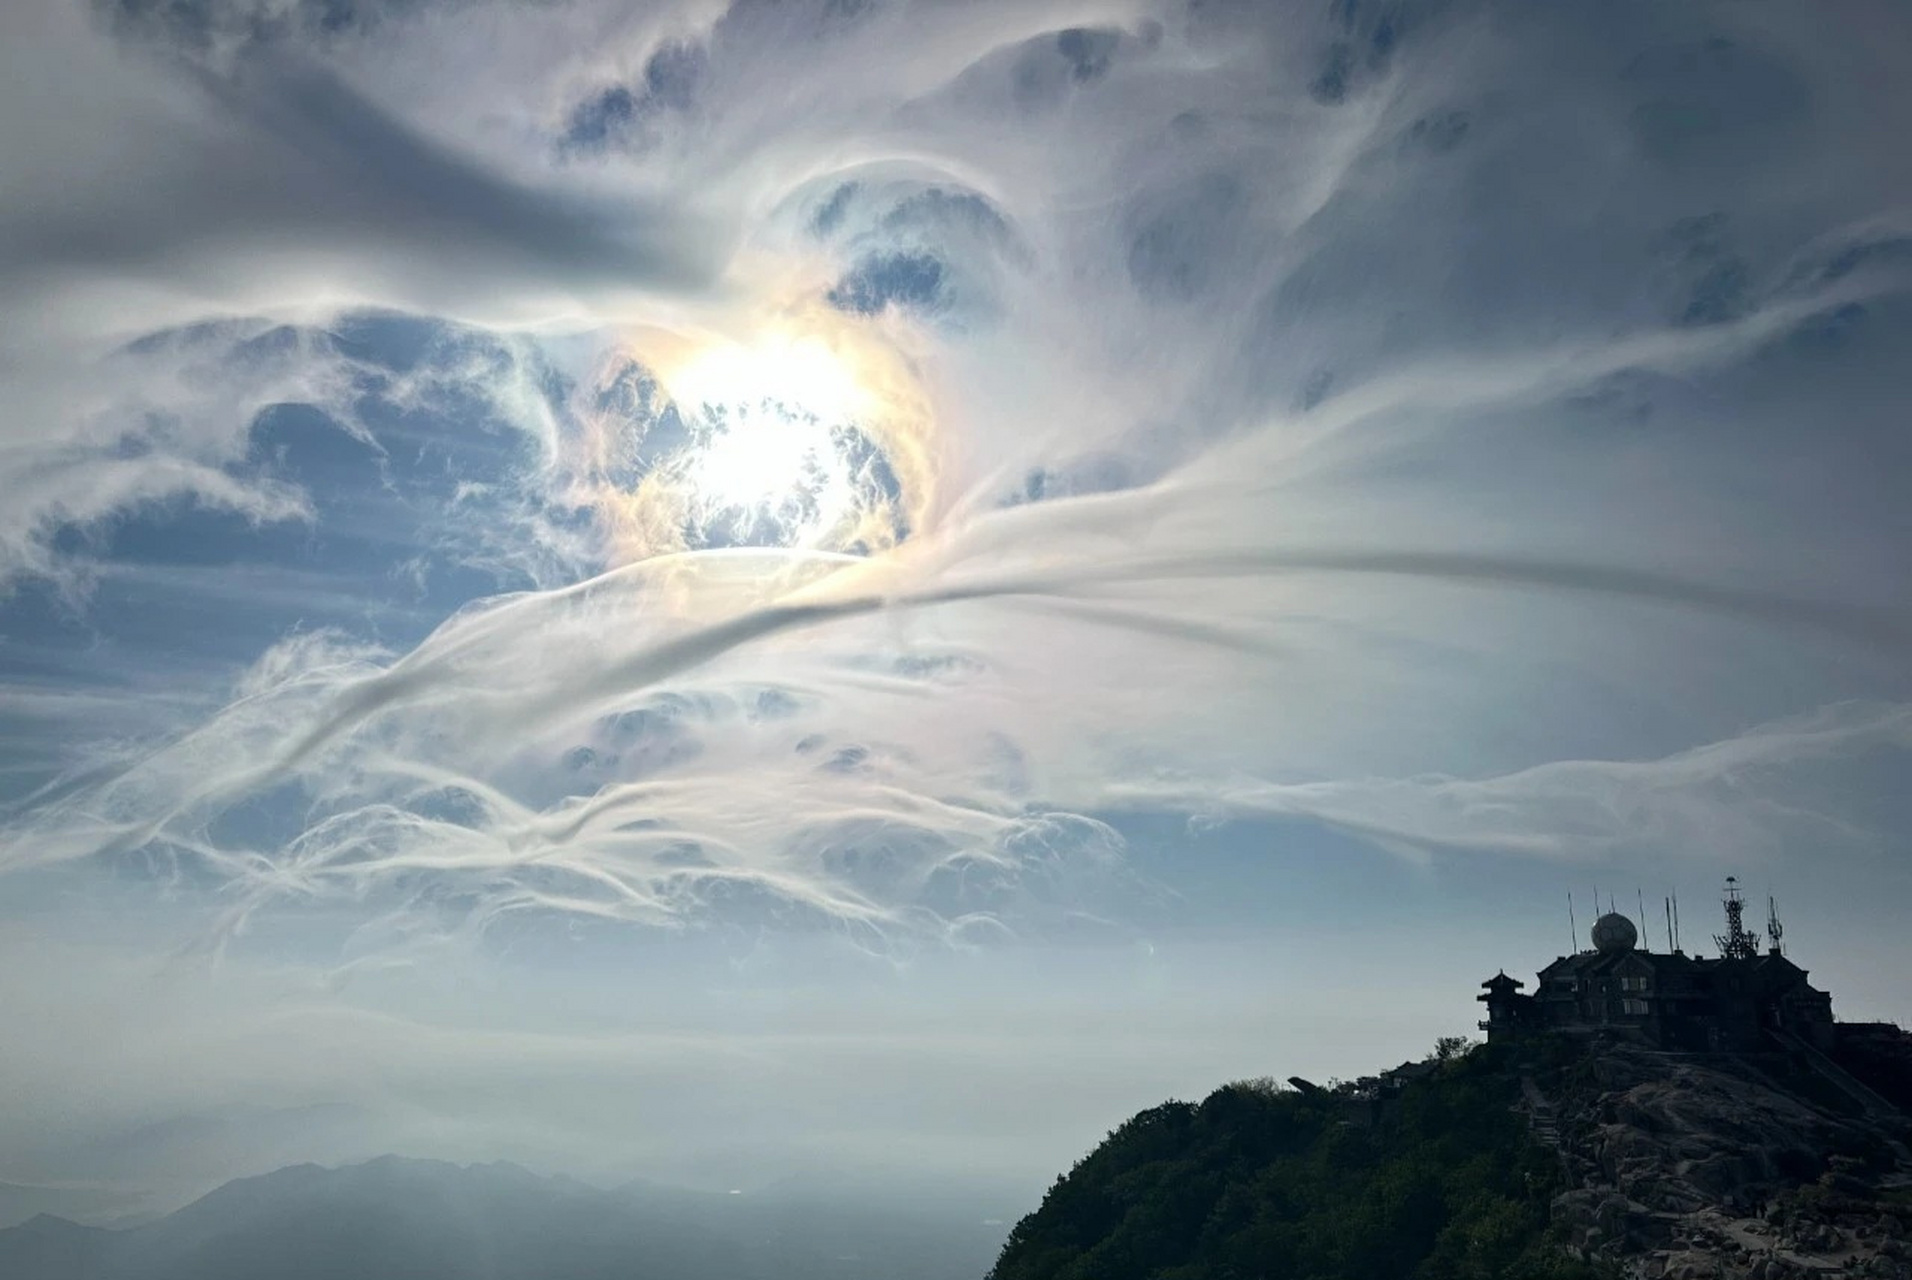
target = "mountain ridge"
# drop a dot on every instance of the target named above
(435, 1220)
(1557, 1158)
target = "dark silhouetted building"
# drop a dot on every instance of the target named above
(1667, 999)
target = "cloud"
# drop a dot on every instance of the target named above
(162, 419)
(1723, 800)
(717, 755)
(1433, 422)
(1266, 481)
(275, 174)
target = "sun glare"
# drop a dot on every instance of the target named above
(803, 375)
(767, 419)
(758, 454)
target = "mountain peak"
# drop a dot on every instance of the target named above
(1545, 1159)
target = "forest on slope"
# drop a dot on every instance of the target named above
(1433, 1178)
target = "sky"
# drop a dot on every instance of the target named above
(715, 592)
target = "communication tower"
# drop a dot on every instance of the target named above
(1736, 943)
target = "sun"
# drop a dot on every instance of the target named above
(768, 424)
(796, 428)
(758, 454)
(801, 373)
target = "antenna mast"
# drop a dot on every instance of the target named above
(1774, 932)
(1736, 943)
(1641, 895)
(1573, 930)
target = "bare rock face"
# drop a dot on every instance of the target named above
(1748, 1167)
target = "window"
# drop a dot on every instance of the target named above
(1633, 1008)
(1633, 984)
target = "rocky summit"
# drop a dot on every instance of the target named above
(1743, 1167)
(1553, 1158)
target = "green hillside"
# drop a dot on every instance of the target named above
(1426, 1178)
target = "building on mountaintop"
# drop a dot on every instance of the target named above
(1733, 1002)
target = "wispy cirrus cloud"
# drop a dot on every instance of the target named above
(1454, 429)
(1184, 326)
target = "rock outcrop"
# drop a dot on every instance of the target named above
(1541, 1158)
(1748, 1167)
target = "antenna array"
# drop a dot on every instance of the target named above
(1737, 943)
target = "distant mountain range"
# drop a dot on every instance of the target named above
(20, 1201)
(429, 1220)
